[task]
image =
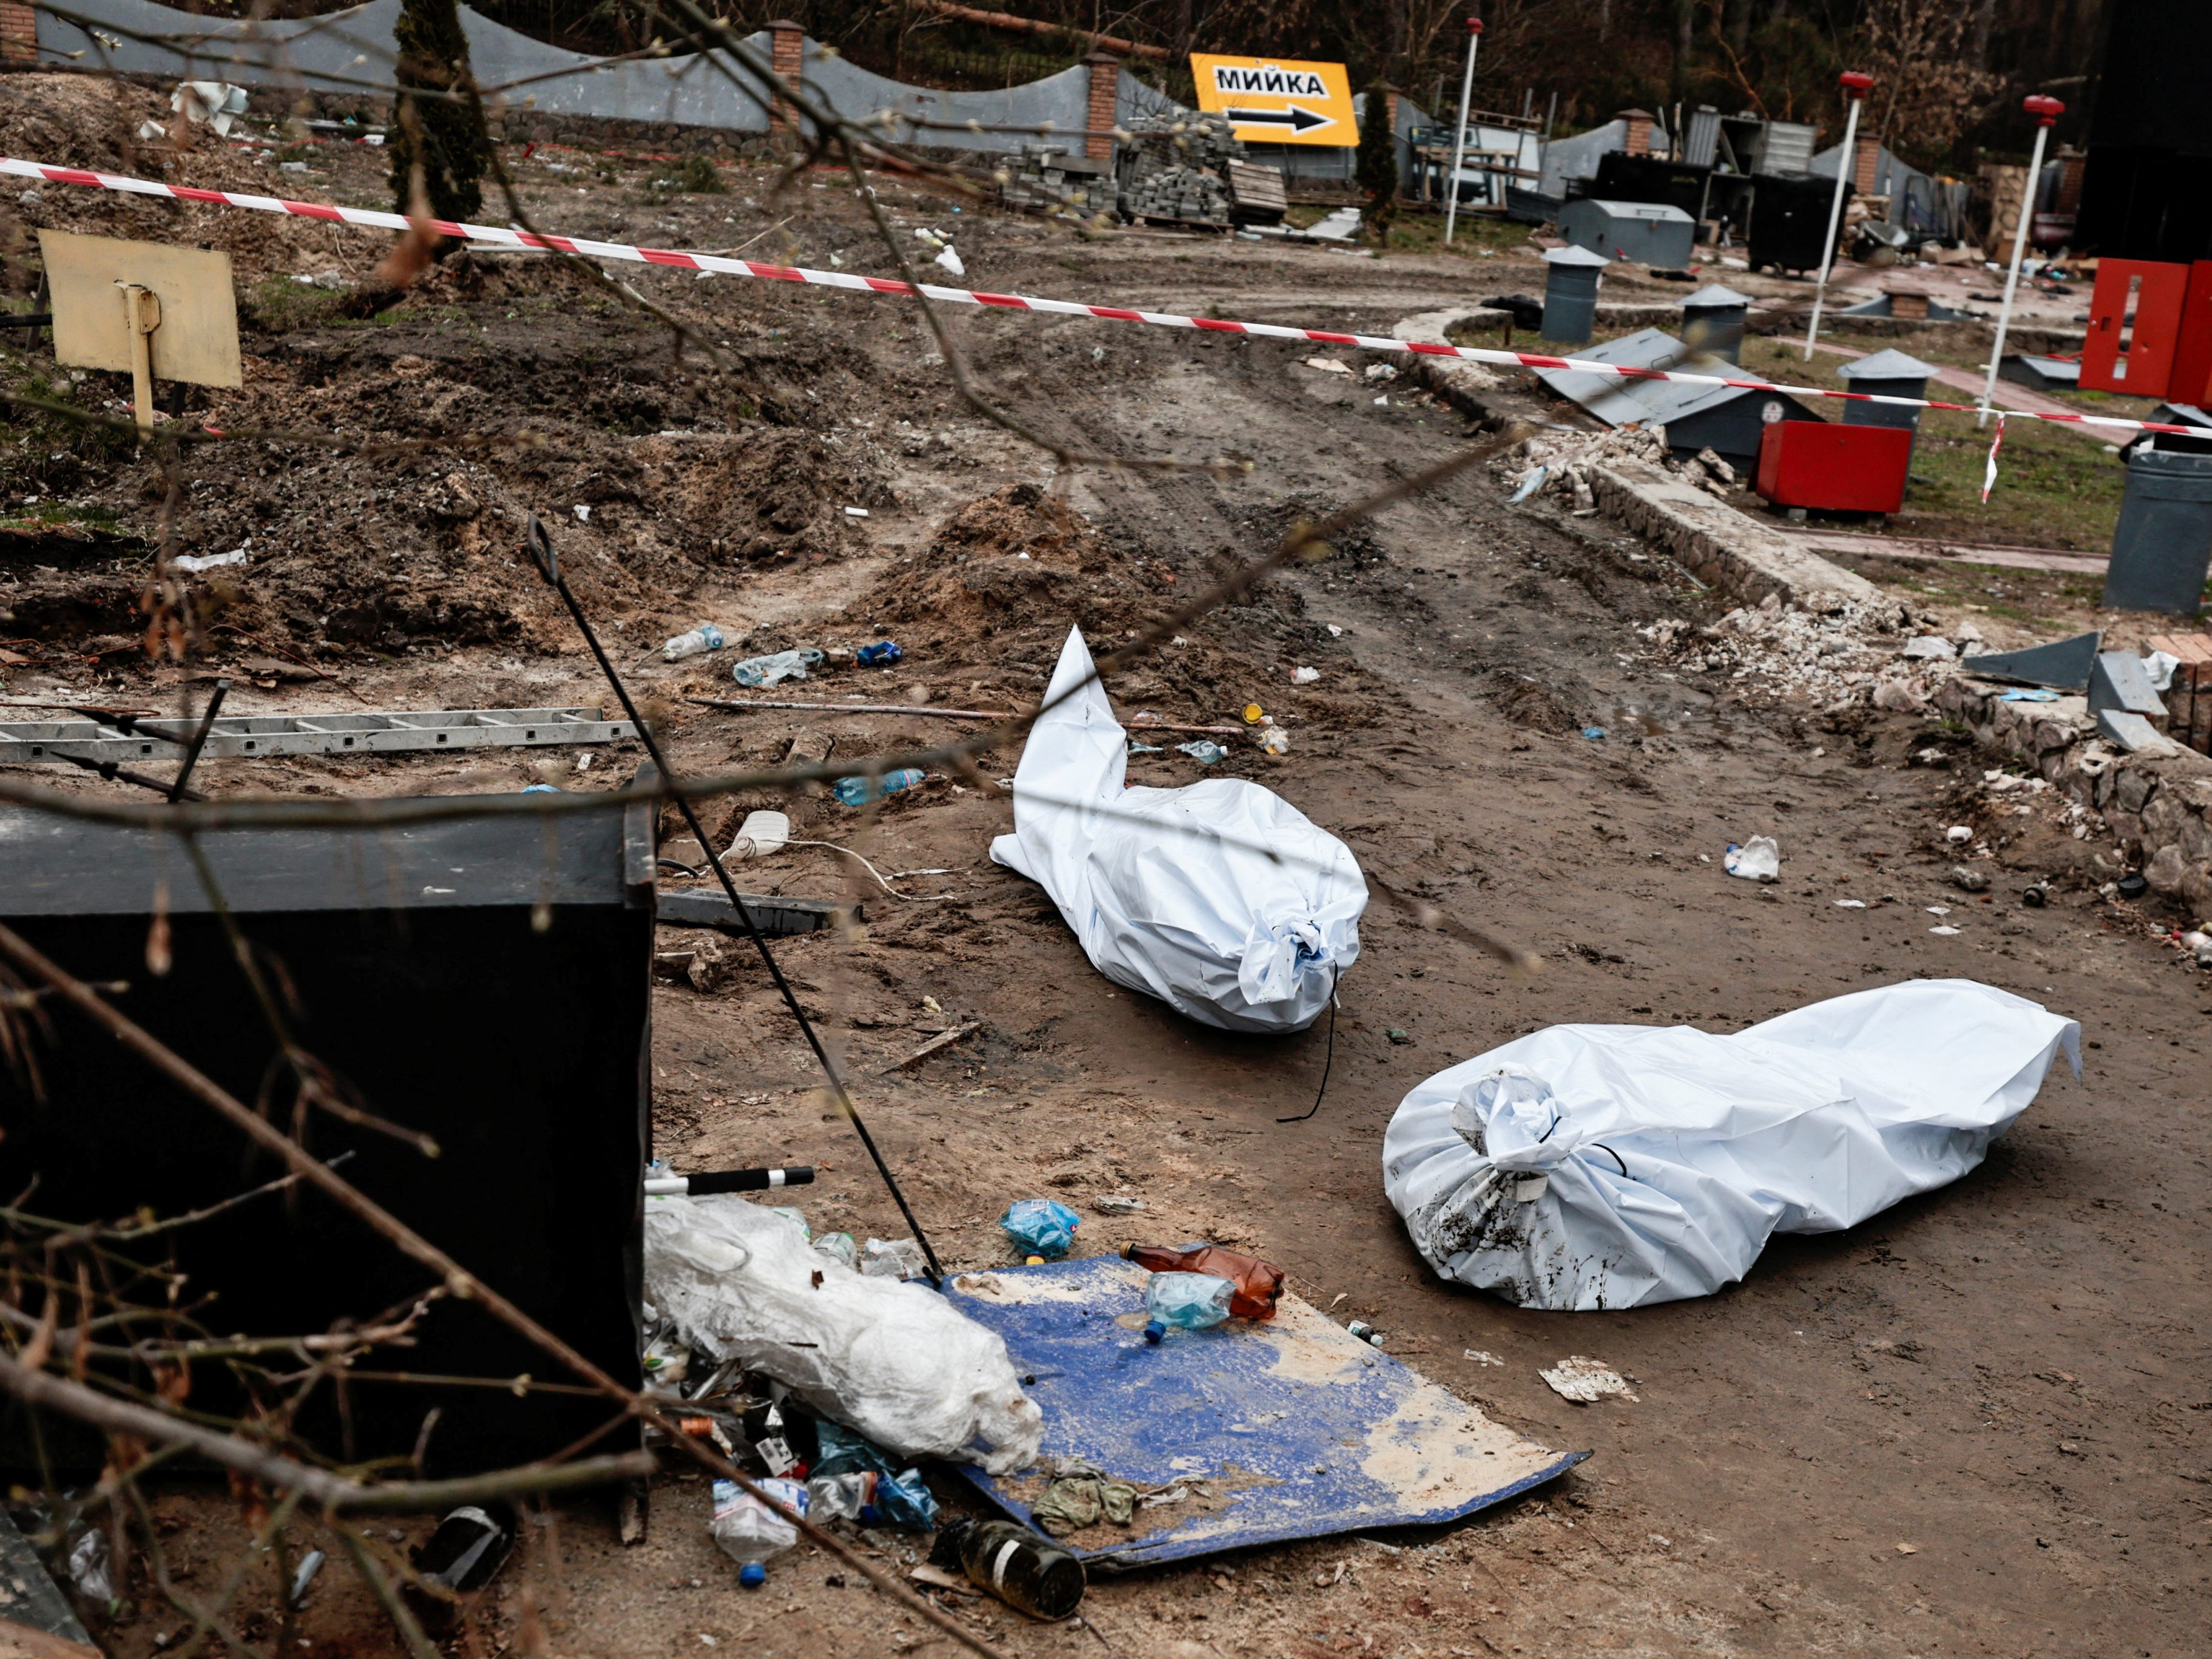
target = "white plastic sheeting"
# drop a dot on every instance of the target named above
(1174, 893)
(895, 1361)
(1608, 1166)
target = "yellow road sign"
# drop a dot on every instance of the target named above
(1278, 101)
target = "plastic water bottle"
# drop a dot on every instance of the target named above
(749, 1531)
(705, 637)
(859, 791)
(1186, 1301)
(1012, 1563)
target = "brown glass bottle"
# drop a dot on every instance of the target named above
(1258, 1284)
(1012, 1563)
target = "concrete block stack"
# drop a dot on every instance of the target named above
(1179, 175)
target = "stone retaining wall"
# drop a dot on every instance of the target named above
(2158, 807)
(1720, 546)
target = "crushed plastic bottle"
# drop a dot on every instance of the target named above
(751, 1533)
(882, 654)
(840, 1247)
(774, 669)
(859, 791)
(705, 637)
(899, 1496)
(795, 1217)
(1021, 1569)
(842, 1497)
(1758, 859)
(1258, 1284)
(893, 1258)
(1041, 1226)
(1205, 751)
(1185, 1302)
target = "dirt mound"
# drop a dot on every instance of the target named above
(1007, 575)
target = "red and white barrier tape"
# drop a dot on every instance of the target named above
(370, 218)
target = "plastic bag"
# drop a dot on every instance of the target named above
(1608, 1166)
(898, 1496)
(895, 1361)
(1220, 898)
(1040, 1226)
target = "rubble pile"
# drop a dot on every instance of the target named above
(1880, 654)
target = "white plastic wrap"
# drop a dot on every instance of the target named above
(1608, 1166)
(895, 1361)
(1173, 891)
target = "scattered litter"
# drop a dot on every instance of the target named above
(705, 637)
(1928, 647)
(897, 1363)
(856, 512)
(1759, 859)
(460, 1558)
(950, 261)
(1304, 676)
(1116, 1204)
(1204, 751)
(582, 511)
(1380, 371)
(1586, 1380)
(1081, 1495)
(1327, 365)
(1040, 1226)
(209, 561)
(1184, 1301)
(1483, 1356)
(775, 669)
(1967, 879)
(1959, 835)
(1531, 482)
(763, 832)
(893, 1258)
(1671, 1154)
(1594, 733)
(1365, 1332)
(860, 790)
(882, 654)
(304, 1575)
(1220, 898)
(1136, 748)
(1851, 904)
(208, 104)
(1255, 1286)
(1946, 930)
(900, 1496)
(1273, 740)
(2018, 695)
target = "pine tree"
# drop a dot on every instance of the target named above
(445, 136)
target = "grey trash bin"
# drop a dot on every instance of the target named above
(2164, 541)
(1571, 294)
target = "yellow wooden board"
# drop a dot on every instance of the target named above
(197, 339)
(1270, 101)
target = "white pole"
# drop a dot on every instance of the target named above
(1845, 166)
(2012, 276)
(1459, 133)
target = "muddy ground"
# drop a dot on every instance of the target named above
(1977, 1425)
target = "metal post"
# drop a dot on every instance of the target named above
(1459, 133)
(2046, 111)
(1855, 89)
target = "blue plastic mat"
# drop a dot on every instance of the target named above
(1289, 1428)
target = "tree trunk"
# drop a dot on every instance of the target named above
(442, 135)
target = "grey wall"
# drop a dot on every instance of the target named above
(351, 51)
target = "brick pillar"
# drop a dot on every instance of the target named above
(1639, 131)
(19, 33)
(1104, 103)
(1867, 166)
(787, 56)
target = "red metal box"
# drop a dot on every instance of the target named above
(1834, 468)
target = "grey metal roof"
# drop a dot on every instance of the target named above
(1890, 365)
(1713, 295)
(1574, 256)
(1655, 403)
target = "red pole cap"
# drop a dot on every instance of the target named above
(1857, 83)
(1474, 26)
(2046, 109)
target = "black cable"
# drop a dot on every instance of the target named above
(114, 773)
(541, 550)
(1329, 1060)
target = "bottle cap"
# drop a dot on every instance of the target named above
(1036, 1261)
(753, 1575)
(1154, 1331)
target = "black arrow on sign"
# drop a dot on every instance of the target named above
(1296, 118)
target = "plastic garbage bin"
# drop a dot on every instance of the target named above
(2164, 541)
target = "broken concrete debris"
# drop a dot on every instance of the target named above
(1585, 1381)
